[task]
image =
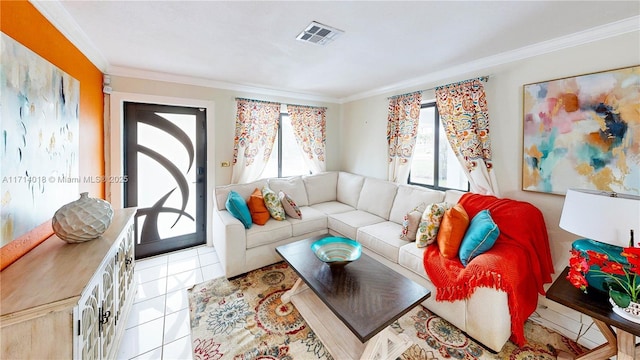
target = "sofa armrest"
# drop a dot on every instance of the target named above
(230, 242)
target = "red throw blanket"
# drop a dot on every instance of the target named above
(519, 263)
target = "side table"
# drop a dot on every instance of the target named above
(596, 304)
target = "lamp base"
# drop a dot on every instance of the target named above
(612, 251)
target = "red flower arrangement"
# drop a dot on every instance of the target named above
(623, 280)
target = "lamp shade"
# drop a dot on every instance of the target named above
(602, 216)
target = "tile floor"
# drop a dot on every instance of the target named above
(158, 325)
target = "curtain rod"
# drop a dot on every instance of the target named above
(309, 106)
(409, 93)
(274, 102)
(260, 101)
(481, 78)
(484, 78)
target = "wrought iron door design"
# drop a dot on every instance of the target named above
(165, 168)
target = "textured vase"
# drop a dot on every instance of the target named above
(82, 220)
(631, 312)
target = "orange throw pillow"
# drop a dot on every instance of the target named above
(259, 212)
(452, 229)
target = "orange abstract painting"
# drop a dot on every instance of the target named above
(583, 132)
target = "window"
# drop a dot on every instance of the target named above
(434, 164)
(286, 157)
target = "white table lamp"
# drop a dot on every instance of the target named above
(602, 216)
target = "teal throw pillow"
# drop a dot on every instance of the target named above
(480, 237)
(238, 208)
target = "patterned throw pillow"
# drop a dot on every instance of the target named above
(410, 223)
(290, 207)
(273, 203)
(430, 224)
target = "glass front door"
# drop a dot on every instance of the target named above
(165, 164)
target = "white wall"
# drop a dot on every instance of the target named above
(364, 148)
(364, 122)
(221, 115)
(356, 131)
(225, 116)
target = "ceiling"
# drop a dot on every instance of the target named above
(385, 44)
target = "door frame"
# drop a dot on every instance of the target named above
(114, 145)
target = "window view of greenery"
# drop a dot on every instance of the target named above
(286, 160)
(432, 144)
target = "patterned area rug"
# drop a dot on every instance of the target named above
(245, 319)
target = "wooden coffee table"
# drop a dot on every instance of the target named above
(350, 309)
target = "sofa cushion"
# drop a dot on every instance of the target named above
(411, 257)
(292, 186)
(259, 212)
(321, 187)
(382, 238)
(312, 220)
(273, 231)
(377, 197)
(409, 197)
(236, 205)
(290, 206)
(349, 187)
(430, 224)
(452, 229)
(480, 237)
(273, 203)
(453, 196)
(332, 207)
(347, 223)
(244, 190)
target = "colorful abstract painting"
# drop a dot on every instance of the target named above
(39, 121)
(583, 132)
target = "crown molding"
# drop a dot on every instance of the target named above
(583, 37)
(57, 15)
(64, 22)
(196, 81)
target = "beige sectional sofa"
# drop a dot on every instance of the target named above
(368, 210)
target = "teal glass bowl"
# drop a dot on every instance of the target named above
(336, 251)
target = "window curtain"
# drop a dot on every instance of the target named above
(309, 126)
(256, 130)
(463, 110)
(402, 128)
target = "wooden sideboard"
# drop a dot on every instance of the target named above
(70, 300)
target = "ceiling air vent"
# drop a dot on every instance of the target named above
(319, 34)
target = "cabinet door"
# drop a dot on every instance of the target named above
(108, 305)
(103, 301)
(130, 255)
(88, 321)
(125, 270)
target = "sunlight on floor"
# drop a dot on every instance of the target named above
(158, 325)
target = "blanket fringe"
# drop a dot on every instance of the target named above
(487, 279)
